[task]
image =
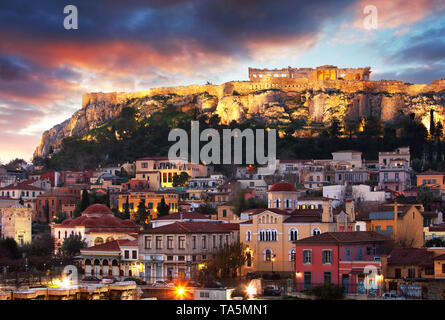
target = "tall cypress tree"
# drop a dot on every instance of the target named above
(127, 209)
(163, 208)
(85, 200)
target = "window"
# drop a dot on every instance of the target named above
(181, 242)
(348, 254)
(307, 256)
(147, 242)
(224, 213)
(357, 228)
(307, 276)
(397, 273)
(327, 277)
(293, 234)
(220, 241)
(159, 242)
(267, 255)
(411, 273)
(327, 256)
(170, 242)
(169, 258)
(134, 254)
(248, 236)
(292, 255)
(214, 242)
(204, 294)
(127, 254)
(194, 242)
(360, 254)
(204, 242)
(443, 268)
(181, 258)
(316, 231)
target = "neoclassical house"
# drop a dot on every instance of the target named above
(269, 233)
(96, 225)
(282, 195)
(118, 258)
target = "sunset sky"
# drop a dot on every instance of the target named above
(135, 44)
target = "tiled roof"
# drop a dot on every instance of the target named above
(97, 208)
(113, 246)
(431, 173)
(345, 237)
(274, 210)
(411, 256)
(194, 227)
(25, 185)
(440, 257)
(304, 217)
(185, 215)
(282, 186)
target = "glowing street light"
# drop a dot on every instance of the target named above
(251, 291)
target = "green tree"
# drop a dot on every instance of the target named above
(77, 209)
(256, 203)
(327, 292)
(9, 247)
(85, 202)
(424, 194)
(71, 246)
(141, 214)
(181, 180)
(436, 242)
(206, 208)
(60, 216)
(163, 208)
(240, 203)
(126, 209)
(335, 128)
(228, 260)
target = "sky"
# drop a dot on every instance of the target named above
(132, 45)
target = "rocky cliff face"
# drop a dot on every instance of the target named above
(241, 101)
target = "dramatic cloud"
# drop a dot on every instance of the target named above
(135, 44)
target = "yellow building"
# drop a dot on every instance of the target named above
(269, 233)
(16, 223)
(161, 170)
(152, 200)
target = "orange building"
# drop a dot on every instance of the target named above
(151, 198)
(432, 179)
(406, 227)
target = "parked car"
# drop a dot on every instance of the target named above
(160, 283)
(91, 279)
(271, 290)
(213, 284)
(392, 295)
(139, 282)
(109, 279)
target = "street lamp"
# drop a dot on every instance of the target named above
(273, 259)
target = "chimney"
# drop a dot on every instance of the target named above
(326, 215)
(350, 210)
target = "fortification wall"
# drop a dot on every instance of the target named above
(285, 84)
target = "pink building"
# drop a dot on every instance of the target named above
(349, 259)
(395, 176)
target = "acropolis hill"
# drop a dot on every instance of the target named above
(272, 95)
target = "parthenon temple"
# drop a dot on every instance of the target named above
(321, 73)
